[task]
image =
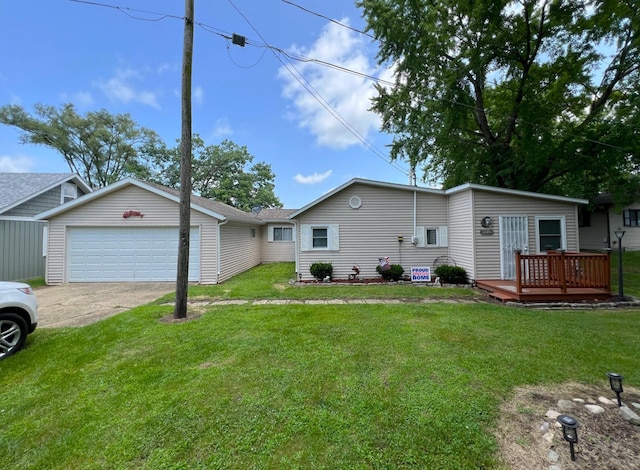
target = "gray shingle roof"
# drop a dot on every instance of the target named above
(275, 215)
(16, 188)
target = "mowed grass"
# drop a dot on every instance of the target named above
(294, 386)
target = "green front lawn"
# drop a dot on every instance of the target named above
(294, 386)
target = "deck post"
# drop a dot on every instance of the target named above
(562, 272)
(518, 271)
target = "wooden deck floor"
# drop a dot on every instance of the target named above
(505, 291)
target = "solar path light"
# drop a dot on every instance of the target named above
(615, 380)
(570, 427)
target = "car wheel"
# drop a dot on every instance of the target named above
(13, 333)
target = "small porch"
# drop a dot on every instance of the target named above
(554, 276)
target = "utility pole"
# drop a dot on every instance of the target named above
(182, 283)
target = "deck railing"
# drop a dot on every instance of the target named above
(563, 270)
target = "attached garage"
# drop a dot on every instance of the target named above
(129, 232)
(110, 254)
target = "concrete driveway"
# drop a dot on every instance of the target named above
(82, 304)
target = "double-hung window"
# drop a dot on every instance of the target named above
(550, 233)
(631, 217)
(69, 192)
(431, 236)
(320, 237)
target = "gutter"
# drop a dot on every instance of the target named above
(218, 251)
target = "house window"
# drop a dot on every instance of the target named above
(253, 233)
(431, 236)
(320, 237)
(282, 234)
(550, 233)
(69, 192)
(631, 217)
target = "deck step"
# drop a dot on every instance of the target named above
(504, 297)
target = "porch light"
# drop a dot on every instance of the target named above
(570, 427)
(619, 234)
(615, 380)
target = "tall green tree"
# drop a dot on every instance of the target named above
(223, 172)
(101, 147)
(538, 95)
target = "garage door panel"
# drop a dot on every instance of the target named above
(103, 254)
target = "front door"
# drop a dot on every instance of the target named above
(513, 236)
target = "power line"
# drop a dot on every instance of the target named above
(302, 58)
(330, 19)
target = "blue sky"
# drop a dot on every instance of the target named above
(96, 57)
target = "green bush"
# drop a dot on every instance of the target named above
(321, 270)
(394, 272)
(451, 274)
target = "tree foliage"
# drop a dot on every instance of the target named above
(101, 147)
(538, 95)
(221, 172)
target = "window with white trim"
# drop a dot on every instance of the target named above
(551, 233)
(319, 237)
(282, 234)
(69, 192)
(631, 217)
(431, 236)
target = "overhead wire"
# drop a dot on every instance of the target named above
(301, 58)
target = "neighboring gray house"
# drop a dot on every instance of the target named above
(476, 226)
(598, 226)
(22, 196)
(128, 231)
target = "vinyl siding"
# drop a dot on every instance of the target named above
(372, 231)
(461, 232)
(43, 202)
(238, 250)
(21, 250)
(486, 203)
(276, 251)
(594, 237)
(108, 210)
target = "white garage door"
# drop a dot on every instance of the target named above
(110, 254)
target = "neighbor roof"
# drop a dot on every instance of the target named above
(218, 210)
(275, 215)
(17, 188)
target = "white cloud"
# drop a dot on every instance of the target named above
(19, 164)
(222, 128)
(123, 87)
(198, 95)
(350, 95)
(312, 179)
(82, 99)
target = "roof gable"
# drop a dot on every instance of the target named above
(215, 209)
(18, 188)
(379, 184)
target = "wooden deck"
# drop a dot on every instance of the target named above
(506, 291)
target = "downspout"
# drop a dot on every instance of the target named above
(415, 220)
(218, 250)
(296, 246)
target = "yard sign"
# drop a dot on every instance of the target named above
(421, 274)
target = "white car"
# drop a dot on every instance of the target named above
(18, 316)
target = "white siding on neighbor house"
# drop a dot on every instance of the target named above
(486, 203)
(107, 211)
(594, 237)
(239, 249)
(461, 232)
(372, 230)
(276, 251)
(631, 239)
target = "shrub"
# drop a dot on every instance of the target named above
(394, 272)
(321, 270)
(451, 274)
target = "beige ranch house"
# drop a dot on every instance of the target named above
(128, 231)
(476, 227)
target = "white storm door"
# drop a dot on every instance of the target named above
(513, 236)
